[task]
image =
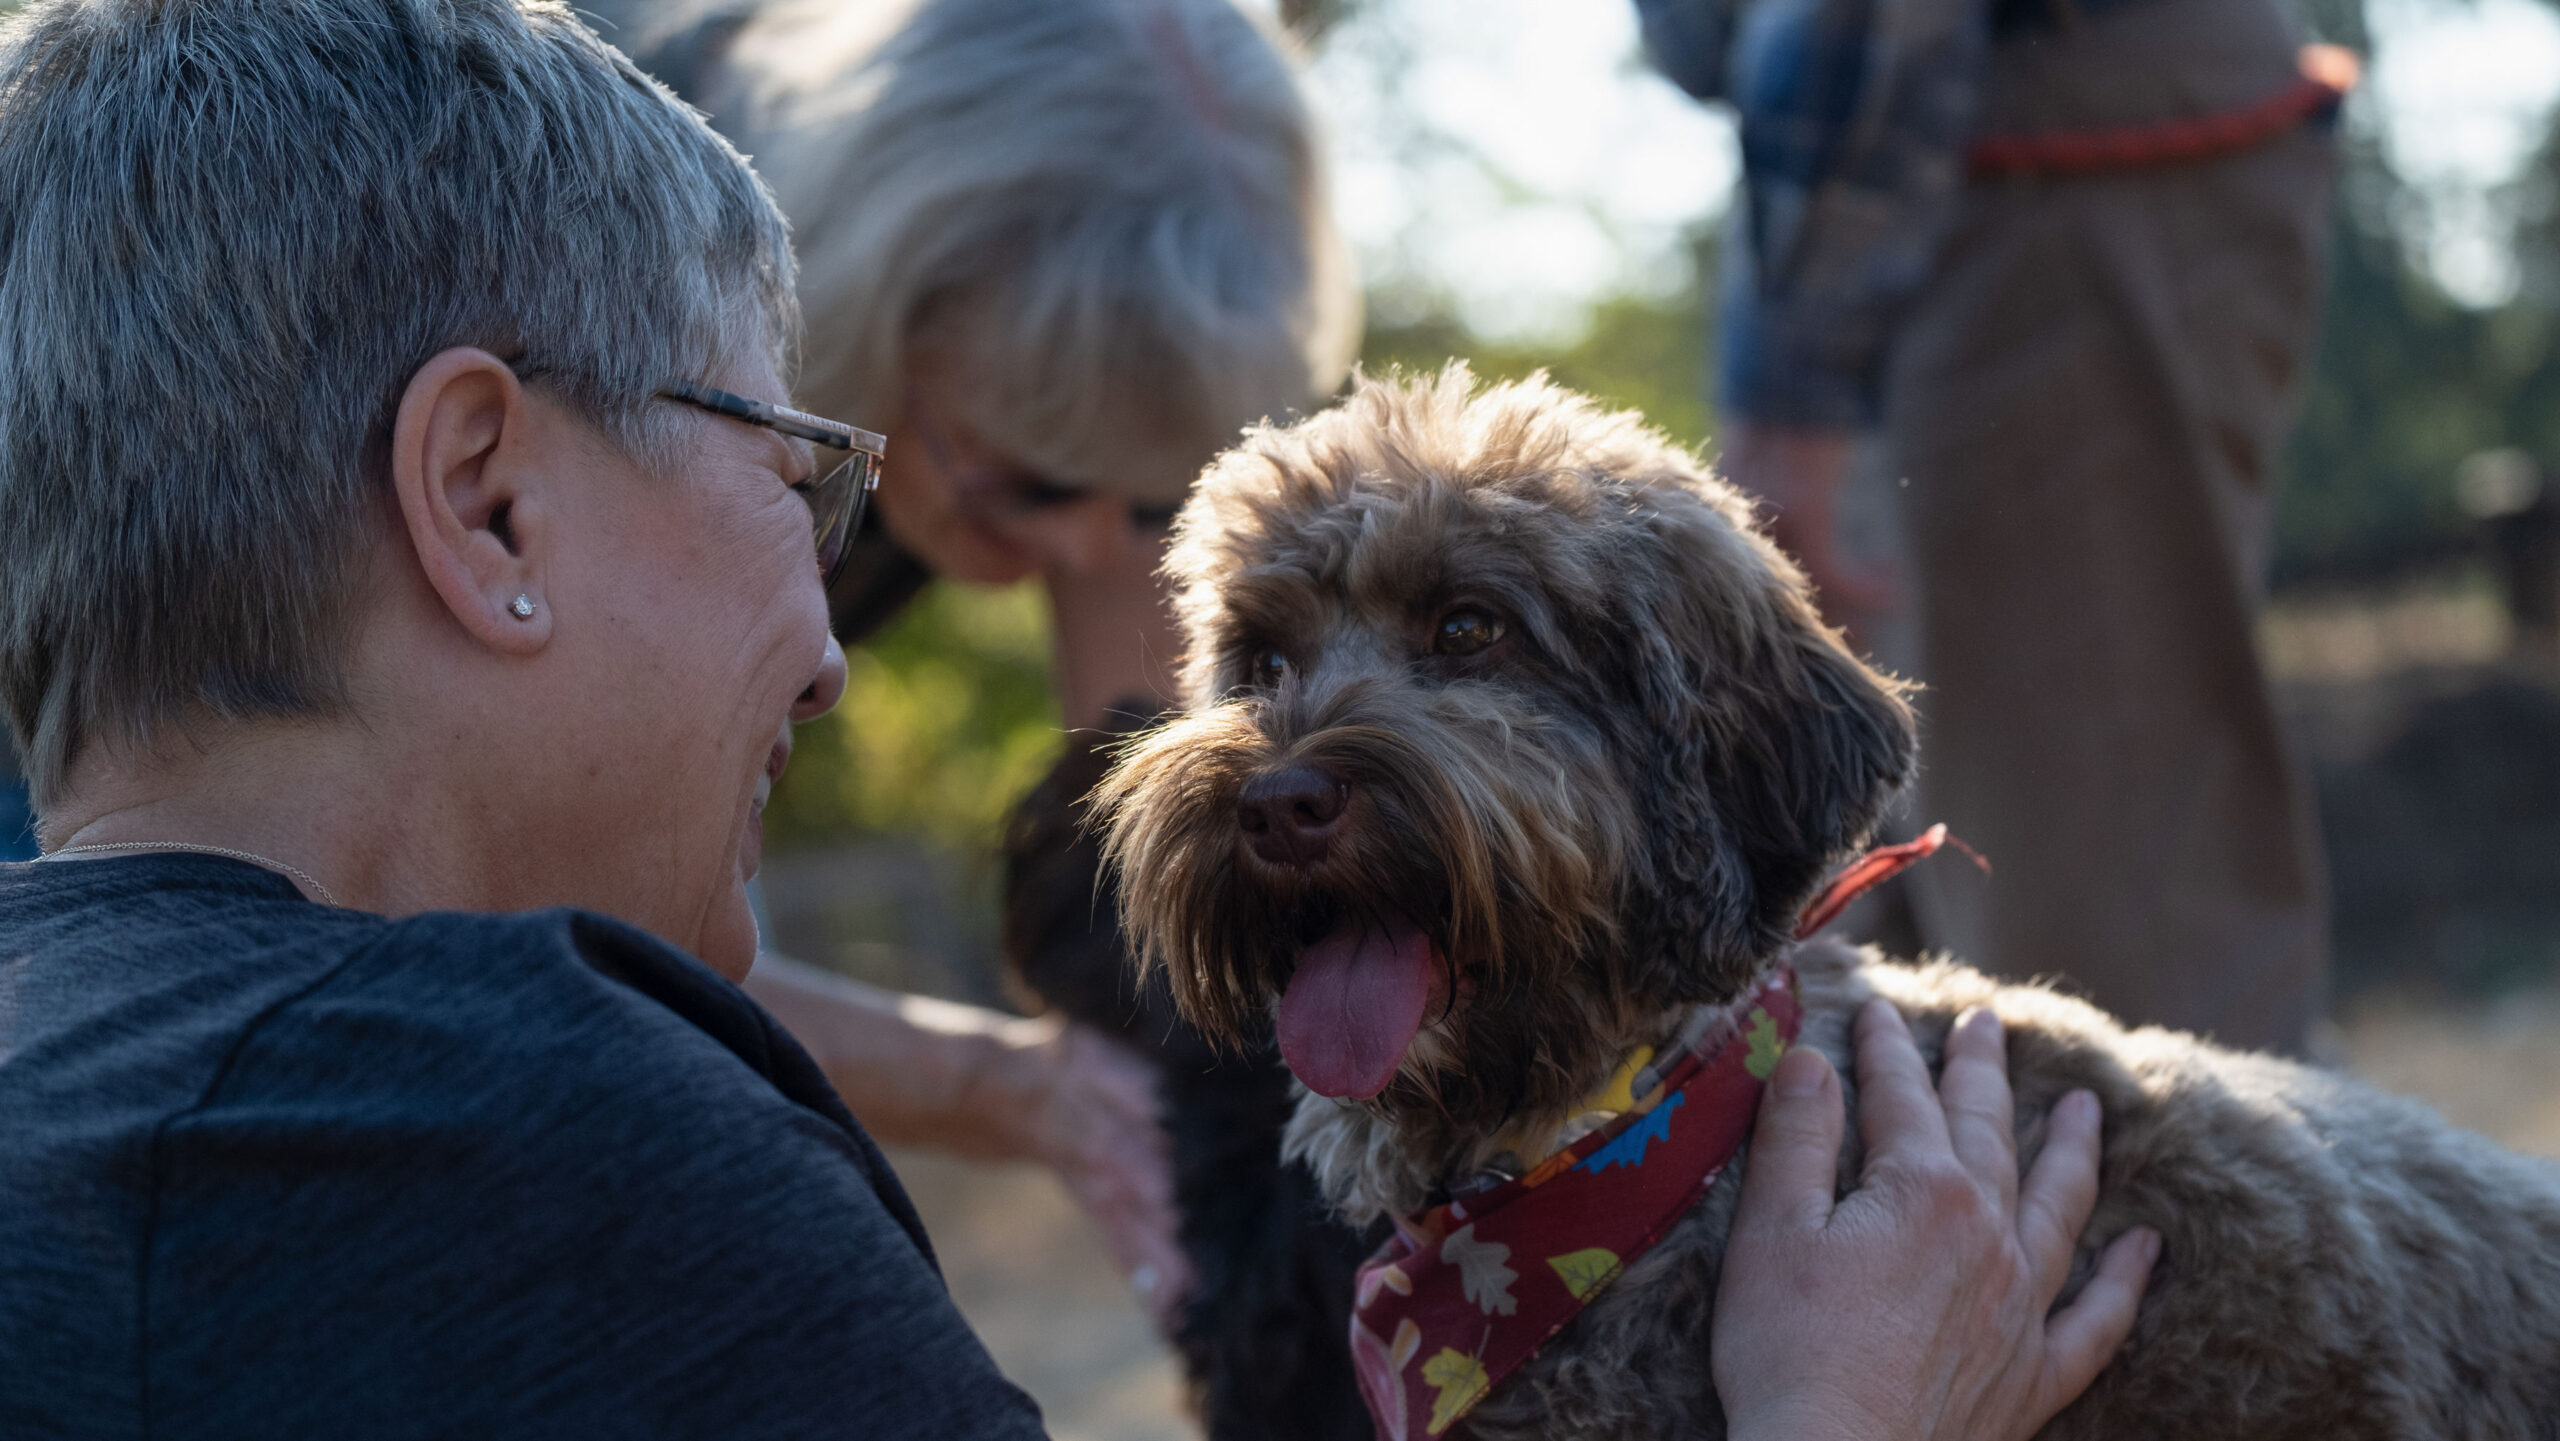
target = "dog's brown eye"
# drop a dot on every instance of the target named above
(1269, 666)
(1464, 632)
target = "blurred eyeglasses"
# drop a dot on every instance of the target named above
(836, 497)
(1010, 488)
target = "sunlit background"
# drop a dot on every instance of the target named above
(1523, 192)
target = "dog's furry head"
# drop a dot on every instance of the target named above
(1502, 686)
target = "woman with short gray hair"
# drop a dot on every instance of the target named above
(400, 517)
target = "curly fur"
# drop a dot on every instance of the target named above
(1613, 814)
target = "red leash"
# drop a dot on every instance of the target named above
(1872, 870)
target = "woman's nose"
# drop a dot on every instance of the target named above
(825, 689)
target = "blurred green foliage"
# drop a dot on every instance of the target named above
(2406, 386)
(2408, 383)
(947, 718)
(1642, 353)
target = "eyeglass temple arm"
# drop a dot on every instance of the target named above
(805, 426)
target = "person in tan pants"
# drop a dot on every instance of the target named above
(2052, 282)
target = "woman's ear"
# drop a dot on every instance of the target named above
(477, 532)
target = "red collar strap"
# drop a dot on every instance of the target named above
(1465, 1293)
(1872, 870)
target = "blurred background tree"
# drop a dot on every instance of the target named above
(2411, 380)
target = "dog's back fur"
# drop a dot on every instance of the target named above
(1607, 816)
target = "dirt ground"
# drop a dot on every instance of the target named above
(2489, 1066)
(1031, 1274)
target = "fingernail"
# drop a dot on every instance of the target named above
(2083, 1104)
(1800, 1073)
(2150, 1244)
(1983, 1019)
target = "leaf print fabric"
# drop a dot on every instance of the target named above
(1480, 1269)
(1461, 1382)
(1630, 1145)
(1464, 1293)
(1766, 1047)
(1380, 1368)
(1586, 1270)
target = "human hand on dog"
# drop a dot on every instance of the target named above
(1916, 1306)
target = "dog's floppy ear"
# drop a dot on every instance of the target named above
(1808, 784)
(1760, 749)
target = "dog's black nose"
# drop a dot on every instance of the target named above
(1290, 815)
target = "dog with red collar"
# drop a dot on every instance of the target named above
(1513, 761)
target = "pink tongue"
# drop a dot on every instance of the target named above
(1352, 1008)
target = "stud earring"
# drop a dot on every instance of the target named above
(521, 607)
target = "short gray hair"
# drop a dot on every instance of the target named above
(230, 233)
(1114, 211)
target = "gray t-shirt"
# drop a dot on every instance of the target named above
(270, 1170)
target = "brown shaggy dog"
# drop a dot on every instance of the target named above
(1511, 742)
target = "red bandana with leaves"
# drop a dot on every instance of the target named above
(1464, 1293)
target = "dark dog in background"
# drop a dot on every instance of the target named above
(1513, 746)
(1264, 1334)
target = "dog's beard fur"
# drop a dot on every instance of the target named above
(1477, 815)
(1609, 814)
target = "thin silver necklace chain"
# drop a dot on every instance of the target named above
(271, 863)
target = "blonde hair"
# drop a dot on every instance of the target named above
(1109, 215)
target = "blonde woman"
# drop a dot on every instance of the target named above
(1061, 251)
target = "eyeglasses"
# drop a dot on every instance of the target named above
(1011, 488)
(838, 497)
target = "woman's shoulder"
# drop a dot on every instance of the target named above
(172, 986)
(573, 1041)
(206, 975)
(556, 1156)
(585, 1002)
(497, 1170)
